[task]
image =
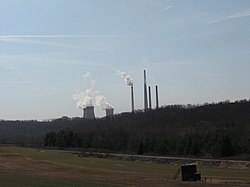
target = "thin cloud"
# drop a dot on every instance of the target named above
(154, 2)
(10, 67)
(20, 82)
(168, 7)
(34, 39)
(59, 36)
(159, 4)
(241, 14)
(7, 66)
(177, 62)
(44, 58)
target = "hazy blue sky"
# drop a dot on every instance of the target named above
(196, 51)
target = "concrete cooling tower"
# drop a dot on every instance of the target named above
(88, 112)
(109, 112)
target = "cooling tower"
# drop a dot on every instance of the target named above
(88, 112)
(109, 112)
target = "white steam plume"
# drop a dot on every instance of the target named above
(102, 102)
(85, 98)
(127, 79)
(90, 96)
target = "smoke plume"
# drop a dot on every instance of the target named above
(86, 76)
(90, 96)
(127, 79)
(102, 102)
(84, 99)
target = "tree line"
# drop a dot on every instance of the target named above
(209, 130)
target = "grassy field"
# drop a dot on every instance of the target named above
(29, 167)
(14, 180)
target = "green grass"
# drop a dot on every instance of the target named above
(94, 163)
(7, 180)
(225, 172)
(120, 165)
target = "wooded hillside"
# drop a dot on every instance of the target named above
(210, 130)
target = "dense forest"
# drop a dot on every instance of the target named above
(216, 130)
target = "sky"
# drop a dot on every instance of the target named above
(195, 51)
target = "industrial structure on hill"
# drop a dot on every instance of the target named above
(88, 111)
(147, 98)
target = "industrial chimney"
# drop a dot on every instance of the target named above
(157, 97)
(145, 92)
(132, 99)
(109, 112)
(149, 97)
(88, 112)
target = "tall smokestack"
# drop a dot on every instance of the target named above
(145, 92)
(149, 97)
(132, 98)
(157, 99)
(129, 82)
(88, 112)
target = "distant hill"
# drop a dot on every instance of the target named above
(209, 130)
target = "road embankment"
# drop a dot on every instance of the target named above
(235, 164)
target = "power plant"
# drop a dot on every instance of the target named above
(88, 112)
(85, 99)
